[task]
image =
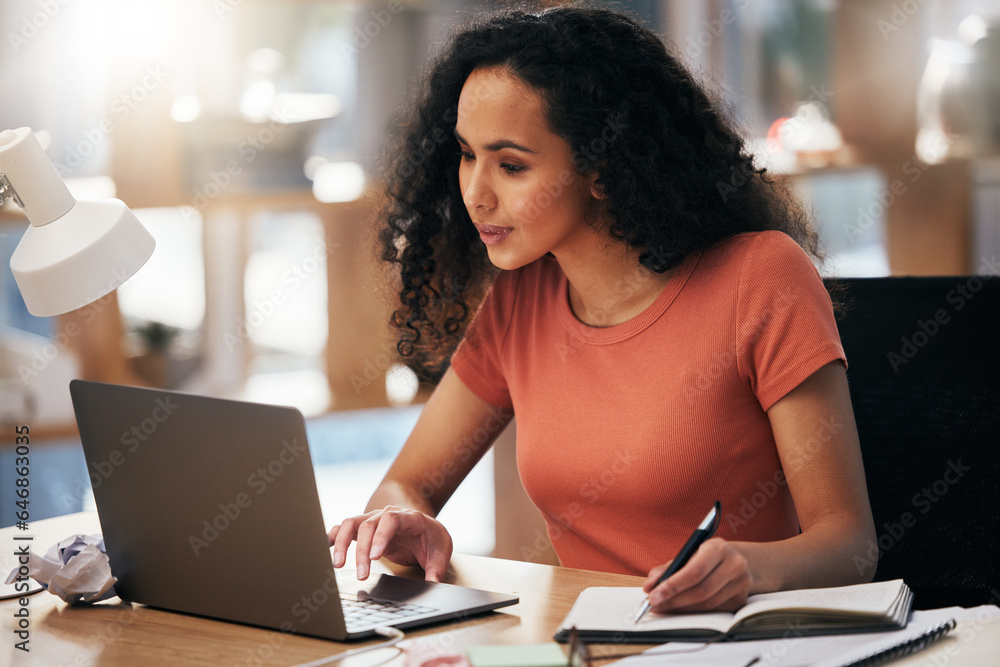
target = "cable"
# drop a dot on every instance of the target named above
(394, 634)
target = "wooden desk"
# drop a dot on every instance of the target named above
(111, 633)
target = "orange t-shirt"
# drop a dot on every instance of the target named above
(627, 434)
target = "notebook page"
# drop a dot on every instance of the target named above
(875, 598)
(613, 608)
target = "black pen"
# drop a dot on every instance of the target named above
(701, 533)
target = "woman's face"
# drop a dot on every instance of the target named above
(517, 177)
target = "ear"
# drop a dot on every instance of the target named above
(596, 191)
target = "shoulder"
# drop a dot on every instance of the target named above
(760, 255)
(770, 244)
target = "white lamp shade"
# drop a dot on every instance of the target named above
(74, 252)
(80, 257)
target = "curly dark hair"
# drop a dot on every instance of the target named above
(675, 171)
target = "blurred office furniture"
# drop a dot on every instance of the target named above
(879, 55)
(923, 367)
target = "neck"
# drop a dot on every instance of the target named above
(608, 286)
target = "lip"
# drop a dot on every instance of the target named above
(491, 234)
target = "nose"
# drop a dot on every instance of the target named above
(478, 193)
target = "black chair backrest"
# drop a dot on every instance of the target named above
(924, 372)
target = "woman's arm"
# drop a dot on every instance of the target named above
(818, 445)
(453, 432)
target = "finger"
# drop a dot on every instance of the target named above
(362, 560)
(730, 597)
(704, 561)
(342, 540)
(654, 577)
(389, 525)
(436, 567)
(362, 552)
(438, 557)
(730, 578)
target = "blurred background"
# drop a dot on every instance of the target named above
(243, 134)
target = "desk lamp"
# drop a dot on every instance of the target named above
(73, 252)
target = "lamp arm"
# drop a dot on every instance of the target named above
(7, 191)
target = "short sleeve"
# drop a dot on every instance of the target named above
(786, 329)
(478, 360)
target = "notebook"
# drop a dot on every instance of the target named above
(209, 507)
(606, 614)
(974, 641)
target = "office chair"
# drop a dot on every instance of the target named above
(924, 373)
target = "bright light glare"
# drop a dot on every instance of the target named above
(147, 29)
(257, 101)
(312, 164)
(171, 286)
(44, 138)
(301, 107)
(185, 109)
(338, 182)
(972, 29)
(401, 385)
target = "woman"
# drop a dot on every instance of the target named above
(656, 323)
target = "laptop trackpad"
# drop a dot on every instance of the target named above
(442, 597)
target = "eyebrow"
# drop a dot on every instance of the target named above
(497, 145)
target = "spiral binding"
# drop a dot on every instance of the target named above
(912, 645)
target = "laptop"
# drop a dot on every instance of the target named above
(209, 507)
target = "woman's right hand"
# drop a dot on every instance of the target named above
(404, 536)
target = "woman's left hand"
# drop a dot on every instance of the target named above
(717, 578)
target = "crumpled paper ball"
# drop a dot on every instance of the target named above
(76, 569)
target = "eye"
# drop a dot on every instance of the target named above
(511, 168)
(467, 156)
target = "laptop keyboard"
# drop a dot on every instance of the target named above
(368, 612)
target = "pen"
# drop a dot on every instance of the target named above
(701, 533)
